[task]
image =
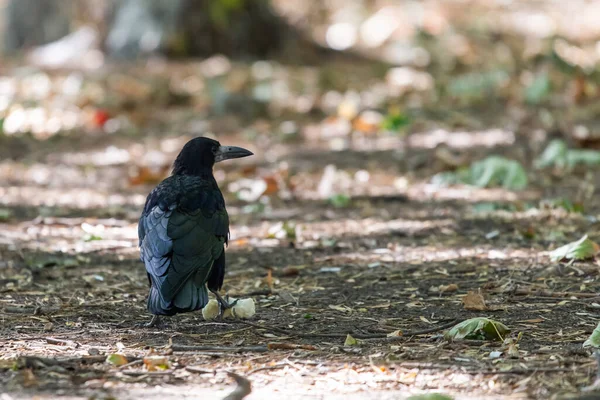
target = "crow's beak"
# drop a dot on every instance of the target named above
(229, 152)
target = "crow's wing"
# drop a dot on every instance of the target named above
(180, 241)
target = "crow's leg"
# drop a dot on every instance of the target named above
(223, 304)
(154, 322)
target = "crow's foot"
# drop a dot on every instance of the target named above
(155, 322)
(223, 304)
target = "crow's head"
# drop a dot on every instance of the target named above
(200, 154)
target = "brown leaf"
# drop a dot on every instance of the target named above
(474, 301)
(154, 363)
(453, 287)
(269, 279)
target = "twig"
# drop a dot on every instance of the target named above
(62, 342)
(516, 371)
(355, 335)
(289, 346)
(243, 389)
(131, 364)
(266, 368)
(223, 349)
(264, 292)
(431, 330)
(146, 373)
(43, 338)
(520, 291)
(197, 370)
(34, 362)
(242, 349)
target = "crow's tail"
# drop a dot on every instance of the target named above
(189, 298)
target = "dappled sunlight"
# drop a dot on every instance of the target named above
(420, 175)
(80, 198)
(468, 194)
(420, 255)
(490, 138)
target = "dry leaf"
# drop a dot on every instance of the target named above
(474, 301)
(154, 363)
(116, 359)
(269, 279)
(453, 287)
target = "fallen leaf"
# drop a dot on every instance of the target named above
(116, 359)
(581, 249)
(594, 339)
(474, 301)
(453, 287)
(154, 363)
(350, 341)
(477, 329)
(343, 309)
(430, 396)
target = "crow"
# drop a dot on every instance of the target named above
(183, 232)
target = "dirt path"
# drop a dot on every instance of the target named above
(378, 265)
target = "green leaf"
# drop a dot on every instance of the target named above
(563, 203)
(479, 328)
(430, 396)
(90, 237)
(395, 122)
(350, 341)
(477, 84)
(538, 90)
(585, 157)
(594, 339)
(496, 170)
(340, 200)
(491, 171)
(555, 154)
(581, 249)
(5, 214)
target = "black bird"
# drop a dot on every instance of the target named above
(183, 231)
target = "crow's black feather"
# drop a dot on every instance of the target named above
(183, 230)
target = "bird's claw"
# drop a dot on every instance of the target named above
(224, 304)
(153, 323)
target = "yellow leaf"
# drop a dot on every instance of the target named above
(116, 359)
(154, 363)
(350, 341)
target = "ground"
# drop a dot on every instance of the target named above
(380, 264)
(354, 227)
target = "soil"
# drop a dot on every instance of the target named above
(397, 262)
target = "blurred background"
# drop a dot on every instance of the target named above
(404, 150)
(462, 99)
